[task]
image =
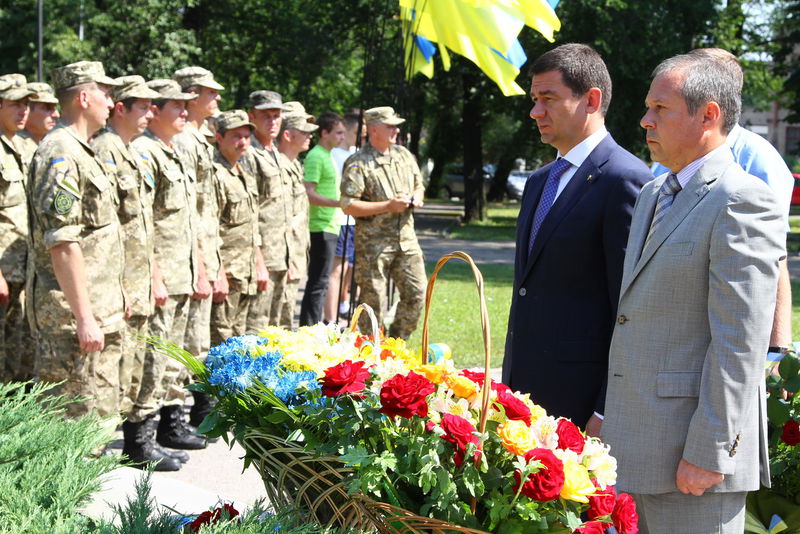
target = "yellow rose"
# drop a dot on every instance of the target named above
(434, 373)
(517, 437)
(577, 484)
(462, 386)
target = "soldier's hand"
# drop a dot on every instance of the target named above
(221, 288)
(262, 278)
(160, 294)
(398, 204)
(203, 289)
(90, 337)
(4, 293)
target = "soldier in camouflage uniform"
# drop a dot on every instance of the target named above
(16, 343)
(241, 239)
(42, 116)
(129, 118)
(295, 138)
(197, 154)
(78, 302)
(176, 254)
(275, 189)
(380, 184)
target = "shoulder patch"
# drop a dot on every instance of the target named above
(63, 202)
(144, 158)
(58, 163)
(149, 179)
(110, 162)
(65, 181)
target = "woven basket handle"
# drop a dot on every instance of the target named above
(376, 336)
(484, 324)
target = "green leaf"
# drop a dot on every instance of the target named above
(789, 366)
(777, 411)
(573, 520)
(277, 417)
(774, 382)
(793, 385)
(472, 481)
(357, 457)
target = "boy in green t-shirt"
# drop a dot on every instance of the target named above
(325, 216)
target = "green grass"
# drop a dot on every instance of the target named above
(500, 226)
(455, 312)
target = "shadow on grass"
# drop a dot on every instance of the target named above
(501, 226)
(458, 271)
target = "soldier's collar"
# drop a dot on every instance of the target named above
(9, 144)
(74, 133)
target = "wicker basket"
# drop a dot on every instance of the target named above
(317, 485)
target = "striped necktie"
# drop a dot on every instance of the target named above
(666, 196)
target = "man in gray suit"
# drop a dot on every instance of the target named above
(685, 406)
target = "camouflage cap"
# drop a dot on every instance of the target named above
(299, 122)
(384, 114)
(235, 118)
(265, 100)
(42, 92)
(132, 87)
(79, 73)
(190, 76)
(296, 108)
(14, 87)
(169, 89)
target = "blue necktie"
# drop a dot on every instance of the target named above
(548, 196)
(666, 196)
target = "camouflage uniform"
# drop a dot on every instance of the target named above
(73, 200)
(300, 241)
(386, 244)
(275, 192)
(175, 253)
(135, 192)
(16, 343)
(238, 200)
(42, 92)
(26, 146)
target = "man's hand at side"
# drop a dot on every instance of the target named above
(695, 480)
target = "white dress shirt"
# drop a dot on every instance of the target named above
(578, 155)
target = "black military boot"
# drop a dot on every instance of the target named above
(173, 433)
(140, 448)
(203, 403)
(181, 456)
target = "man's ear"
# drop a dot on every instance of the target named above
(712, 115)
(83, 99)
(594, 100)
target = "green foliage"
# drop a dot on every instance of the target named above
(787, 35)
(47, 469)
(783, 407)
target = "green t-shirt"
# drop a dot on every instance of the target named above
(318, 168)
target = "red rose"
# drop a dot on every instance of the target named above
(479, 378)
(544, 485)
(209, 517)
(591, 527)
(515, 409)
(459, 432)
(361, 339)
(569, 437)
(602, 503)
(625, 518)
(406, 396)
(791, 433)
(345, 377)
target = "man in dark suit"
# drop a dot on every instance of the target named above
(571, 236)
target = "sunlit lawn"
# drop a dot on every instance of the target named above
(501, 226)
(455, 312)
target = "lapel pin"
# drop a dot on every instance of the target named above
(589, 178)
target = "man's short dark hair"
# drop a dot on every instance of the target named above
(351, 120)
(580, 66)
(328, 120)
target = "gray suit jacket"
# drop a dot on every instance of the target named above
(686, 363)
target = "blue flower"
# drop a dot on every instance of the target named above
(233, 346)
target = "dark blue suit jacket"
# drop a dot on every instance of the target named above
(566, 291)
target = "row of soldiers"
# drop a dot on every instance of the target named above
(131, 218)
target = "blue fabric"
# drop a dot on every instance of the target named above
(515, 55)
(425, 46)
(548, 196)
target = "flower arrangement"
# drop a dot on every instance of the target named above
(420, 437)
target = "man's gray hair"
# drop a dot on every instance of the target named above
(706, 81)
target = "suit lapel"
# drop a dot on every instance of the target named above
(530, 200)
(587, 174)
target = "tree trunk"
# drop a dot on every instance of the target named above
(474, 192)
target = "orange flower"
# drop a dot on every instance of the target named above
(462, 386)
(517, 437)
(434, 373)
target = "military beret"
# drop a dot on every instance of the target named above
(132, 87)
(14, 87)
(384, 114)
(169, 90)
(80, 73)
(190, 76)
(42, 92)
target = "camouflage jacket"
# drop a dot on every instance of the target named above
(198, 155)
(374, 177)
(275, 190)
(72, 199)
(173, 213)
(300, 238)
(135, 192)
(238, 202)
(13, 212)
(26, 146)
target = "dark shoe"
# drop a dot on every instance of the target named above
(203, 403)
(181, 456)
(173, 433)
(140, 448)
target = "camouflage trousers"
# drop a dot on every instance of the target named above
(372, 270)
(229, 317)
(289, 303)
(17, 346)
(268, 305)
(93, 375)
(161, 374)
(131, 365)
(198, 333)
